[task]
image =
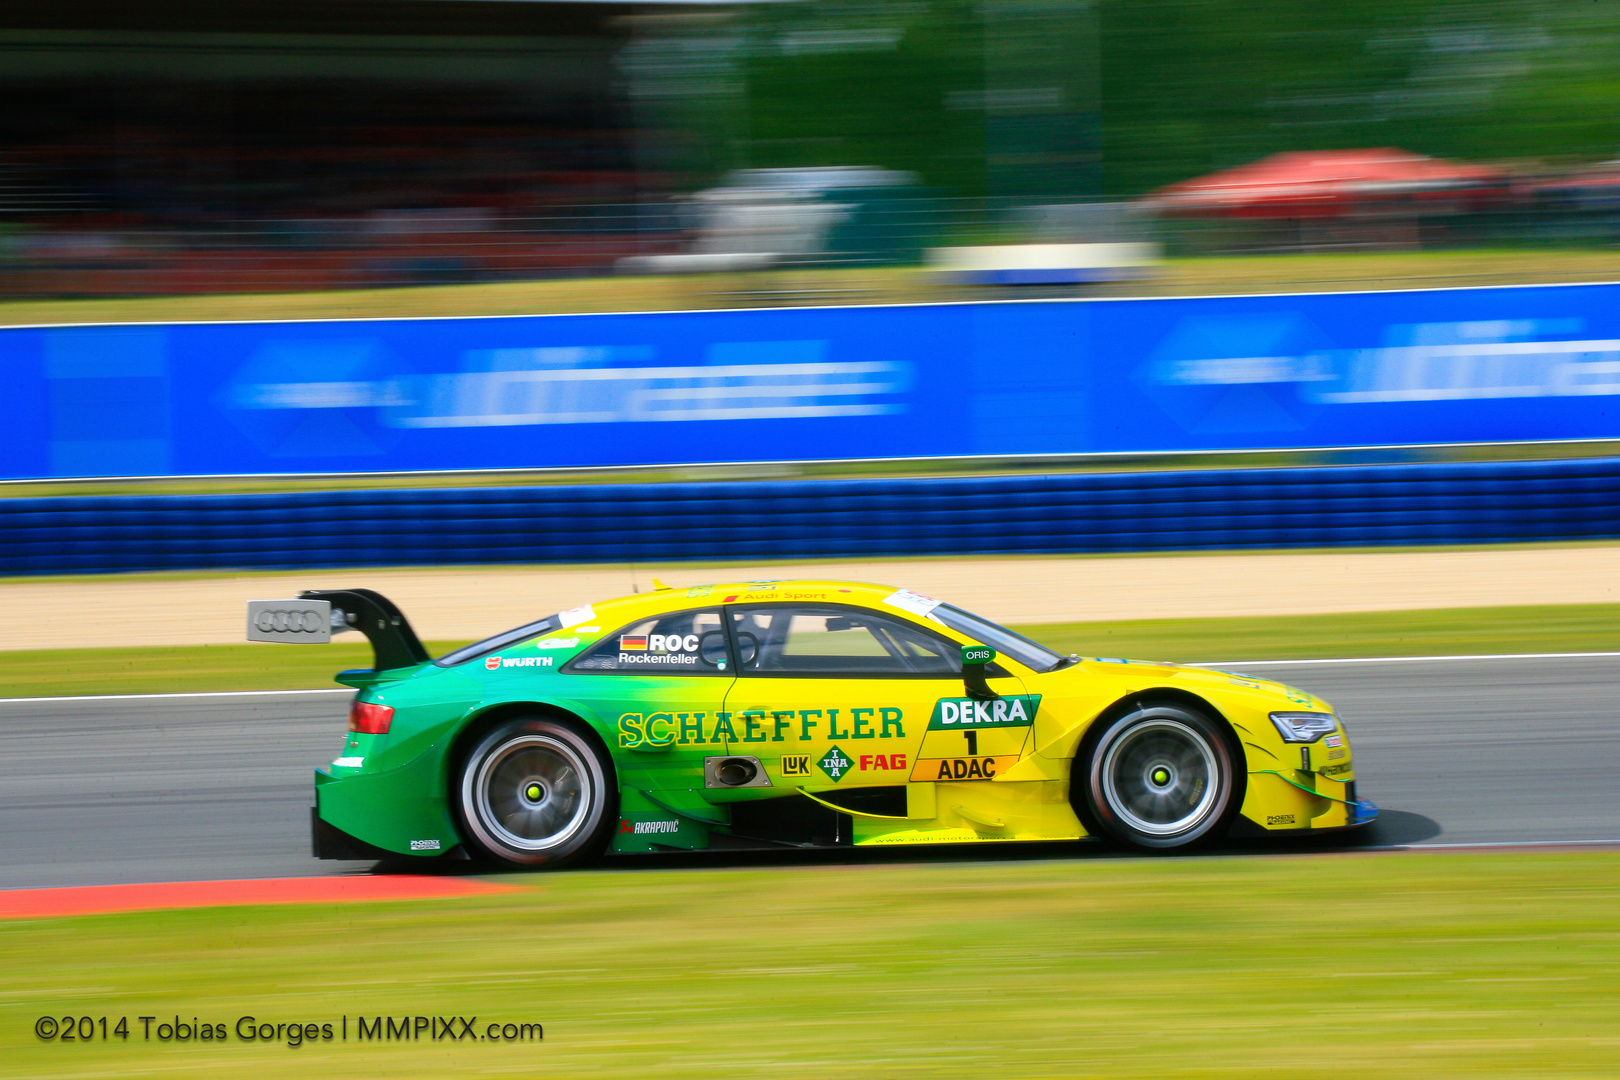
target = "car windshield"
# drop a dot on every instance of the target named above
(1033, 656)
(499, 641)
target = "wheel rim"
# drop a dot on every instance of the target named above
(532, 792)
(1161, 777)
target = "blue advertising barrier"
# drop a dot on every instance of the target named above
(1239, 508)
(1020, 378)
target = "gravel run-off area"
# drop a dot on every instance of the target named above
(465, 603)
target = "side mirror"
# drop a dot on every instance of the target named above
(974, 657)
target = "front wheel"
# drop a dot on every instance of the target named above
(535, 792)
(1161, 777)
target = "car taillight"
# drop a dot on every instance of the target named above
(370, 719)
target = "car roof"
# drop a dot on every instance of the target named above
(802, 590)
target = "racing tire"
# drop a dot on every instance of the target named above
(1159, 778)
(534, 792)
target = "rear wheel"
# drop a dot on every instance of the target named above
(1161, 777)
(534, 792)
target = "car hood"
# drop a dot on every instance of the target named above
(1137, 674)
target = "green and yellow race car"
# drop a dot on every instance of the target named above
(794, 714)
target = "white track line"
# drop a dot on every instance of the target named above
(1404, 659)
(143, 697)
(1421, 846)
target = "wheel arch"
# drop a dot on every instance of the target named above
(1136, 701)
(481, 723)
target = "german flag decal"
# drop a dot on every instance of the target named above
(637, 643)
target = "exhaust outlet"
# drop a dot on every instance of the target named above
(734, 772)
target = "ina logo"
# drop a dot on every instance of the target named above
(835, 764)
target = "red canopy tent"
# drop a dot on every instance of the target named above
(1334, 183)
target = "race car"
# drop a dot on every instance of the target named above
(794, 714)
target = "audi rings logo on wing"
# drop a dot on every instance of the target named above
(291, 622)
(281, 621)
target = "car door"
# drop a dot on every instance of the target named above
(832, 697)
(660, 685)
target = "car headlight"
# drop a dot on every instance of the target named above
(1304, 727)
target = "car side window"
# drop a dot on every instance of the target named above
(826, 640)
(681, 643)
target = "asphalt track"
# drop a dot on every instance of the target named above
(114, 790)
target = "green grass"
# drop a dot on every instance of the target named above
(1421, 966)
(1209, 275)
(1444, 632)
(573, 295)
(1551, 628)
(181, 668)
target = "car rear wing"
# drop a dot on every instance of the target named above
(317, 614)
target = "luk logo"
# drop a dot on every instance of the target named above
(796, 765)
(1015, 710)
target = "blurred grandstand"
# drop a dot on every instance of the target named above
(240, 146)
(251, 146)
(175, 148)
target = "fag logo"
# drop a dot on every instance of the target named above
(872, 762)
(632, 643)
(492, 663)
